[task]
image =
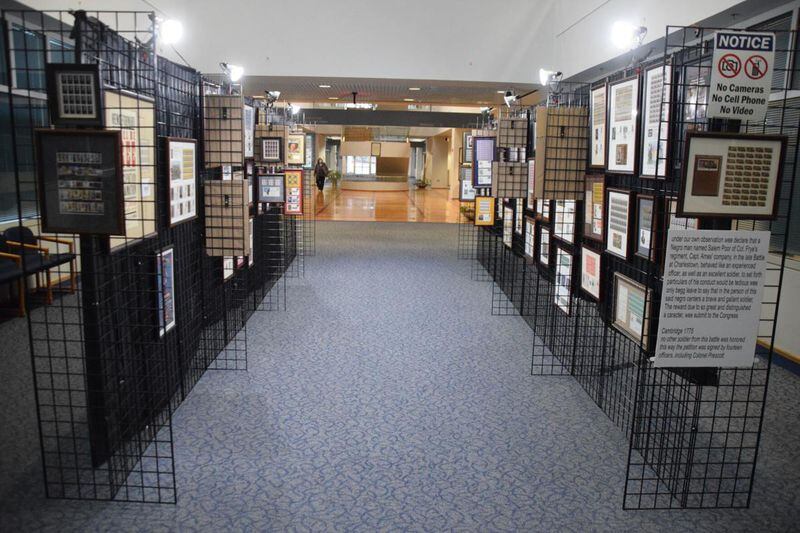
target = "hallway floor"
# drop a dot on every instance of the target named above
(388, 398)
(428, 205)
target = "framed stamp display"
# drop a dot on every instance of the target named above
(467, 191)
(295, 149)
(531, 182)
(508, 225)
(375, 149)
(519, 205)
(731, 175)
(590, 272)
(272, 149)
(630, 308)
(182, 172)
(618, 222)
(249, 119)
(74, 94)
(271, 188)
(165, 277)
(597, 115)
(483, 157)
(484, 210)
(594, 198)
(79, 181)
(530, 237)
(655, 121)
(622, 118)
(645, 226)
(563, 292)
(543, 209)
(544, 246)
(466, 151)
(294, 192)
(564, 225)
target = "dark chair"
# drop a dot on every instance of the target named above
(38, 260)
(11, 271)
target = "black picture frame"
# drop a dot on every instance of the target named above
(645, 248)
(664, 124)
(635, 121)
(622, 248)
(168, 141)
(272, 159)
(266, 187)
(604, 149)
(80, 77)
(590, 207)
(476, 164)
(96, 206)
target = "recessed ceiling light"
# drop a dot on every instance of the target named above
(333, 98)
(413, 89)
(408, 99)
(324, 86)
(501, 92)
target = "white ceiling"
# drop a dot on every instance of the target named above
(503, 43)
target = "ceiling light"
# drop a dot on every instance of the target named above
(627, 36)
(295, 109)
(333, 98)
(546, 76)
(509, 98)
(413, 88)
(501, 92)
(234, 72)
(170, 31)
(408, 99)
(324, 86)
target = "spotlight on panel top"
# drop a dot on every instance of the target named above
(170, 31)
(509, 98)
(548, 76)
(234, 72)
(627, 36)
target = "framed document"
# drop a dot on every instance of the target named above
(594, 199)
(182, 172)
(483, 157)
(544, 246)
(543, 209)
(590, 272)
(631, 313)
(618, 222)
(598, 117)
(74, 94)
(294, 192)
(508, 224)
(624, 97)
(271, 188)
(731, 175)
(530, 237)
(563, 294)
(467, 149)
(519, 205)
(531, 182)
(564, 226)
(165, 277)
(484, 211)
(674, 221)
(79, 181)
(467, 192)
(655, 121)
(645, 226)
(249, 130)
(295, 149)
(375, 149)
(272, 149)
(227, 267)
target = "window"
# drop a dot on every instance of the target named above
(28, 52)
(60, 52)
(361, 165)
(781, 26)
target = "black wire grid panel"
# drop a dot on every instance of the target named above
(467, 231)
(111, 361)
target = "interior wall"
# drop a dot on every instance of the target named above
(388, 149)
(437, 169)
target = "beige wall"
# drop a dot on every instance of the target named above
(388, 149)
(437, 163)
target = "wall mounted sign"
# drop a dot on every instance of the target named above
(271, 149)
(645, 226)
(295, 149)
(182, 172)
(484, 211)
(731, 175)
(619, 206)
(563, 293)
(624, 97)
(508, 225)
(598, 119)
(165, 277)
(741, 75)
(294, 193)
(594, 207)
(483, 156)
(271, 188)
(655, 129)
(590, 272)
(74, 94)
(79, 181)
(711, 298)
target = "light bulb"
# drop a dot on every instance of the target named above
(544, 76)
(627, 36)
(171, 31)
(235, 72)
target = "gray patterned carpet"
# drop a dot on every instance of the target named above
(387, 398)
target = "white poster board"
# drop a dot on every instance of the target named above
(711, 300)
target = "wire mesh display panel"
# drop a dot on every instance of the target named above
(467, 231)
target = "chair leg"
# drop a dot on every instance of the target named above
(21, 297)
(49, 287)
(72, 277)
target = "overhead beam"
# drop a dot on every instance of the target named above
(364, 117)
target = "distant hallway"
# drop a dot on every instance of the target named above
(430, 205)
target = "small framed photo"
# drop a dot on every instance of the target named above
(631, 309)
(623, 120)
(645, 226)
(594, 199)
(181, 155)
(598, 116)
(272, 149)
(618, 222)
(74, 94)
(590, 272)
(544, 246)
(563, 293)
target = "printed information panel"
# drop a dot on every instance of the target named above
(711, 302)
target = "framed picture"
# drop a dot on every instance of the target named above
(508, 225)
(499, 206)
(731, 175)
(618, 222)
(563, 293)
(597, 111)
(674, 221)
(564, 226)
(631, 313)
(519, 205)
(227, 267)
(295, 149)
(466, 151)
(484, 211)
(531, 182)
(251, 259)
(530, 237)
(544, 246)
(645, 226)
(483, 157)
(294, 192)
(594, 198)
(622, 134)
(249, 130)
(79, 181)
(543, 209)
(74, 94)
(590, 272)
(696, 82)
(272, 149)
(467, 193)
(182, 171)
(655, 121)
(165, 278)
(271, 188)
(375, 149)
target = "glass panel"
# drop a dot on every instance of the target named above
(61, 52)
(28, 51)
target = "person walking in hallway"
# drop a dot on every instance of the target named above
(320, 172)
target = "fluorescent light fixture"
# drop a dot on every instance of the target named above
(333, 98)
(408, 99)
(627, 36)
(501, 92)
(360, 105)
(416, 140)
(170, 31)
(324, 86)
(413, 88)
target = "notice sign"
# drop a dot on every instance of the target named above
(711, 301)
(741, 75)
